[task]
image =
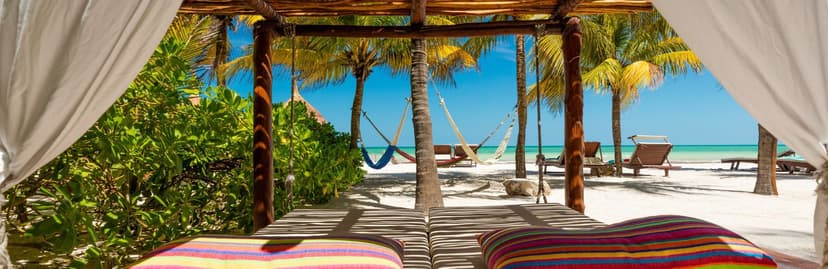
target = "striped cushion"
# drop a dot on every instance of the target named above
(650, 242)
(330, 252)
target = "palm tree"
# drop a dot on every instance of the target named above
(520, 146)
(766, 172)
(219, 52)
(621, 54)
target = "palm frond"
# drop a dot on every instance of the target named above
(640, 74)
(678, 62)
(602, 77)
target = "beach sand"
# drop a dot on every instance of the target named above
(708, 191)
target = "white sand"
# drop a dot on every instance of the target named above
(704, 190)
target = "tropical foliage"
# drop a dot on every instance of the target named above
(155, 167)
(620, 55)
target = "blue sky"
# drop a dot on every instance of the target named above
(692, 109)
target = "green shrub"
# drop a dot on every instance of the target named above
(155, 168)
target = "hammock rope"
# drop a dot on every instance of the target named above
(392, 144)
(540, 158)
(291, 32)
(501, 148)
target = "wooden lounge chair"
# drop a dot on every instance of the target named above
(593, 158)
(734, 162)
(442, 152)
(459, 152)
(792, 166)
(650, 155)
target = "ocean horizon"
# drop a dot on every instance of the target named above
(680, 153)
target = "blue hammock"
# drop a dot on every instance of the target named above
(383, 161)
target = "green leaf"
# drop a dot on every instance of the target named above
(46, 227)
(111, 217)
(78, 263)
(65, 242)
(87, 203)
(159, 200)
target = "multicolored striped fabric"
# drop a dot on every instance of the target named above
(650, 242)
(329, 252)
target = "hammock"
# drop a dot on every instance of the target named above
(383, 161)
(472, 153)
(392, 144)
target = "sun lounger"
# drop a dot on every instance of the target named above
(792, 166)
(449, 240)
(458, 151)
(593, 159)
(734, 162)
(407, 225)
(442, 152)
(650, 155)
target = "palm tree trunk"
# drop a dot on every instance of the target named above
(766, 173)
(356, 109)
(428, 185)
(222, 50)
(616, 130)
(520, 148)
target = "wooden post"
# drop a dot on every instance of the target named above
(262, 125)
(574, 115)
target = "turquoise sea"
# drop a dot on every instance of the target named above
(680, 153)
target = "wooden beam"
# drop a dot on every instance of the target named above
(564, 7)
(418, 13)
(262, 125)
(443, 31)
(264, 9)
(573, 115)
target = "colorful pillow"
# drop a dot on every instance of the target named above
(330, 252)
(650, 242)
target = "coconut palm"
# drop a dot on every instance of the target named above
(621, 54)
(766, 171)
(219, 52)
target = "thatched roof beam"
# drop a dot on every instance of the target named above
(441, 31)
(418, 13)
(305, 8)
(564, 8)
(267, 11)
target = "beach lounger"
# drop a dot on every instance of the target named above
(458, 151)
(407, 225)
(442, 152)
(734, 162)
(650, 155)
(593, 159)
(792, 166)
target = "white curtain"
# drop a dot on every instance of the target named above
(62, 64)
(772, 57)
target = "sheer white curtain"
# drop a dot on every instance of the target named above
(62, 64)
(772, 57)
